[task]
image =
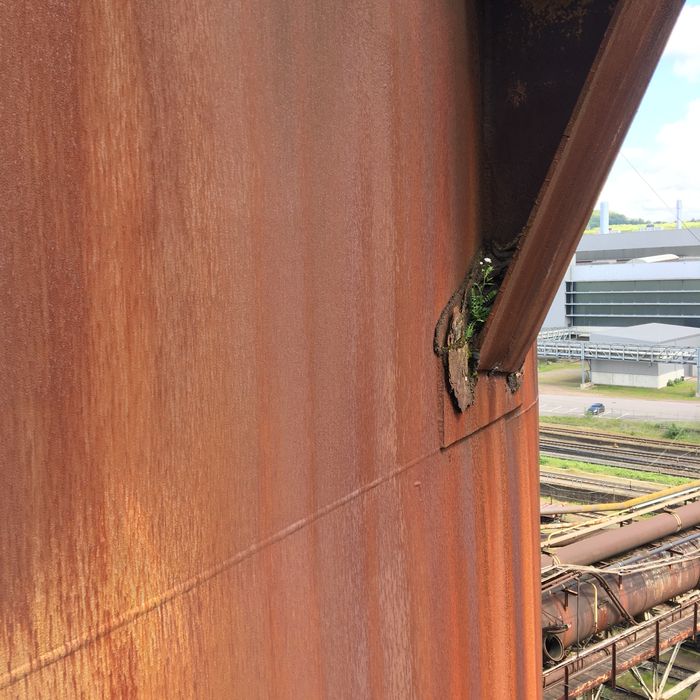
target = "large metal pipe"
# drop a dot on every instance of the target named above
(612, 542)
(594, 604)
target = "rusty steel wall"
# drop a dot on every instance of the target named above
(228, 466)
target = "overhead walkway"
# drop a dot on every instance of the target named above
(561, 343)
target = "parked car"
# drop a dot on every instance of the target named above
(595, 409)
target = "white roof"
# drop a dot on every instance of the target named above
(631, 271)
(646, 334)
(633, 240)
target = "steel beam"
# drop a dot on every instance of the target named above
(585, 142)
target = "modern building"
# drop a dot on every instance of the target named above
(642, 373)
(631, 278)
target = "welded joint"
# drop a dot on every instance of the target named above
(679, 522)
(595, 603)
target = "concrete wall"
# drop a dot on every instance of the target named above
(556, 316)
(642, 374)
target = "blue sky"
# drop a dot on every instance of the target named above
(663, 143)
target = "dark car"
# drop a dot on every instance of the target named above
(595, 408)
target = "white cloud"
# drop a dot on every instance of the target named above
(670, 165)
(684, 44)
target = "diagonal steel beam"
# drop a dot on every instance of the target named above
(617, 75)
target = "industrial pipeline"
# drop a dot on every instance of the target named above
(590, 600)
(569, 508)
(598, 600)
(612, 542)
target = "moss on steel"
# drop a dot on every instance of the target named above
(458, 330)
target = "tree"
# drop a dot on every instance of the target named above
(614, 217)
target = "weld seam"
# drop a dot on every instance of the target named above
(70, 647)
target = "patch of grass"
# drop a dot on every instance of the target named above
(683, 390)
(569, 378)
(551, 366)
(628, 681)
(575, 465)
(614, 228)
(684, 432)
(568, 375)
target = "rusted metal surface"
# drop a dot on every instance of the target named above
(228, 230)
(230, 468)
(595, 665)
(530, 98)
(612, 542)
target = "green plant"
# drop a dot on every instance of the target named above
(673, 432)
(577, 466)
(480, 300)
(456, 337)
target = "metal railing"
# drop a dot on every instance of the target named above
(651, 637)
(552, 346)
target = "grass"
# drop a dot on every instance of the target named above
(549, 366)
(639, 227)
(659, 430)
(574, 465)
(627, 680)
(568, 375)
(684, 391)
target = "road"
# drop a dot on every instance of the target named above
(564, 404)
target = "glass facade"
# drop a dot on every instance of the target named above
(628, 303)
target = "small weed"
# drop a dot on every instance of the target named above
(480, 299)
(673, 432)
(457, 332)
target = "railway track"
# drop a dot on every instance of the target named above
(643, 454)
(589, 488)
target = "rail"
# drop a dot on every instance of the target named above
(557, 334)
(639, 454)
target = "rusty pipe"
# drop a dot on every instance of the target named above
(682, 629)
(611, 542)
(580, 612)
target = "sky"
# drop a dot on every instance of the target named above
(663, 143)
